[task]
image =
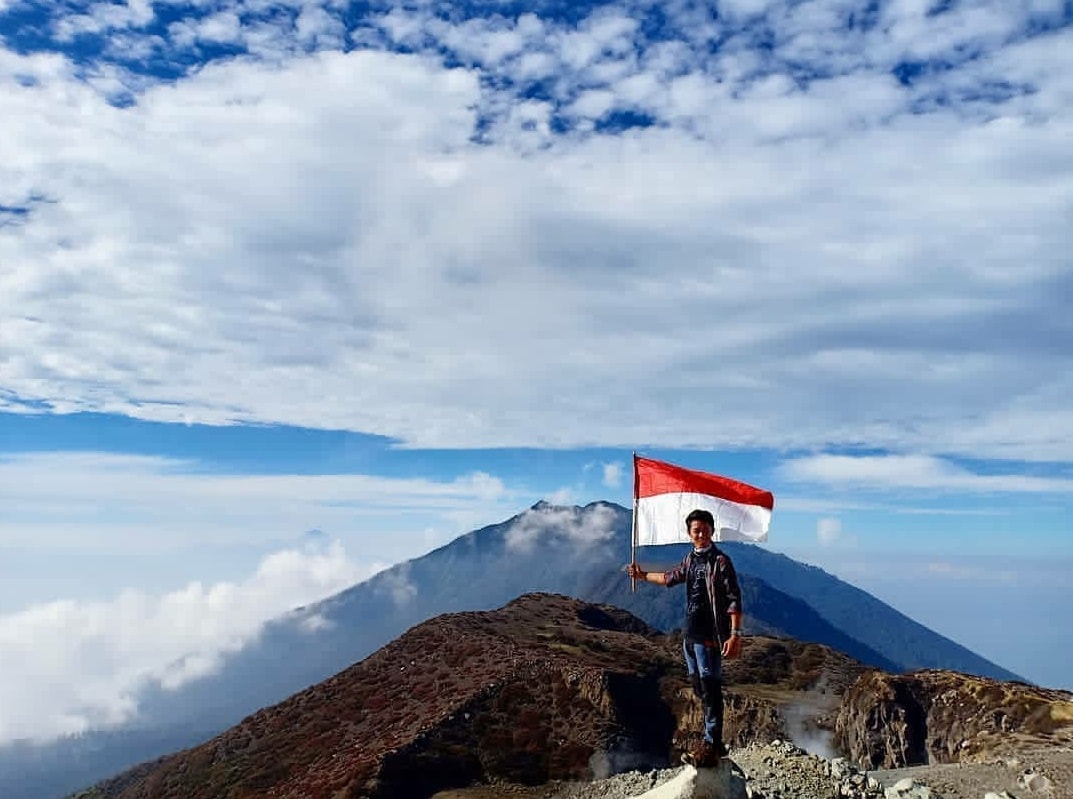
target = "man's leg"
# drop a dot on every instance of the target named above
(704, 667)
(701, 753)
(710, 669)
(693, 669)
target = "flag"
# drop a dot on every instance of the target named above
(664, 494)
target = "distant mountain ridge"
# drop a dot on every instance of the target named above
(575, 551)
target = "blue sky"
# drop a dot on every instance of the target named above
(293, 291)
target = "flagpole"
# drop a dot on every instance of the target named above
(633, 532)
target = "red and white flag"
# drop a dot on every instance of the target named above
(664, 494)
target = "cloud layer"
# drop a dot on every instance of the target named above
(900, 472)
(107, 503)
(72, 666)
(781, 225)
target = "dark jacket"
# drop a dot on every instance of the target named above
(722, 589)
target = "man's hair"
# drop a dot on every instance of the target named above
(700, 515)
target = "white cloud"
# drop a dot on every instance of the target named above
(317, 28)
(789, 258)
(403, 28)
(221, 28)
(584, 527)
(314, 623)
(398, 585)
(828, 531)
(562, 496)
(913, 472)
(593, 104)
(104, 17)
(68, 666)
(613, 474)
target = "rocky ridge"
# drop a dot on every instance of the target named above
(931, 716)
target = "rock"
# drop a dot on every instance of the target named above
(907, 788)
(1035, 782)
(724, 782)
(934, 716)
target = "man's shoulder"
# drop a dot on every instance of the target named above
(686, 560)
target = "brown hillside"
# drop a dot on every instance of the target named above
(544, 688)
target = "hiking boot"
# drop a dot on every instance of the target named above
(708, 754)
(702, 755)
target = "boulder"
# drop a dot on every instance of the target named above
(724, 782)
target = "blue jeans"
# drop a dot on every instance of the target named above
(704, 664)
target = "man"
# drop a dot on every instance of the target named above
(712, 628)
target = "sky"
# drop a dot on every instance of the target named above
(294, 291)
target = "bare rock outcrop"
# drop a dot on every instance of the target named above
(934, 716)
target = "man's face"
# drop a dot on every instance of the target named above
(700, 532)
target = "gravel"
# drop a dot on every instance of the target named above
(781, 770)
